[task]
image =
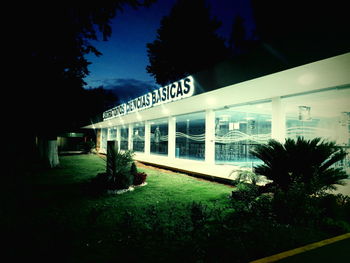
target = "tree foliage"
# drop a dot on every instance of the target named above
(303, 162)
(303, 31)
(47, 44)
(238, 36)
(96, 100)
(51, 40)
(186, 42)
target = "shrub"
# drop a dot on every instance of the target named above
(243, 196)
(88, 146)
(246, 176)
(118, 168)
(133, 168)
(118, 173)
(295, 206)
(309, 162)
(139, 178)
(335, 206)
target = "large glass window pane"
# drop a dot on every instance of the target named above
(112, 134)
(190, 136)
(138, 137)
(159, 136)
(104, 139)
(238, 130)
(124, 138)
(321, 114)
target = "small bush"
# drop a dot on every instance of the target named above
(243, 197)
(335, 227)
(245, 192)
(88, 146)
(245, 176)
(125, 180)
(118, 168)
(133, 168)
(139, 178)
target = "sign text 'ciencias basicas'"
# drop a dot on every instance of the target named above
(178, 90)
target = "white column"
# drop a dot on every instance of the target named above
(118, 137)
(147, 137)
(130, 136)
(278, 125)
(171, 136)
(108, 134)
(210, 137)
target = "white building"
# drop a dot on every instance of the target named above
(212, 132)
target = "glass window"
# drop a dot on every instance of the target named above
(321, 114)
(124, 138)
(138, 137)
(104, 140)
(159, 136)
(190, 136)
(238, 130)
(112, 134)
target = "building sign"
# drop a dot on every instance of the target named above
(178, 90)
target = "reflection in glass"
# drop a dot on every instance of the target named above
(124, 138)
(112, 134)
(190, 136)
(159, 136)
(104, 140)
(138, 137)
(238, 130)
(328, 117)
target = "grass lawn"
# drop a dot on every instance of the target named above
(50, 216)
(57, 219)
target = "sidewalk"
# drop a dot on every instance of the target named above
(335, 253)
(334, 250)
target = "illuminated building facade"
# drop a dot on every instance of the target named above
(219, 126)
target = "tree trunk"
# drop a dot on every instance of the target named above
(48, 152)
(52, 151)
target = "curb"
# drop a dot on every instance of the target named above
(300, 250)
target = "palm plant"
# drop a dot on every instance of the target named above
(118, 167)
(306, 162)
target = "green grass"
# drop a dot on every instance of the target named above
(50, 215)
(56, 213)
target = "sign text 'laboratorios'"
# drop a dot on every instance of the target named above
(178, 90)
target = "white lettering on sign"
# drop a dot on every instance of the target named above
(178, 90)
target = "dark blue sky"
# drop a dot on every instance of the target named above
(122, 66)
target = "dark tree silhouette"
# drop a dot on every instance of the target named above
(97, 100)
(50, 41)
(186, 42)
(238, 36)
(303, 31)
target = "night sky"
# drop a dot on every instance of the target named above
(122, 67)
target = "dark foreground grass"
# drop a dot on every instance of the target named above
(51, 216)
(54, 217)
